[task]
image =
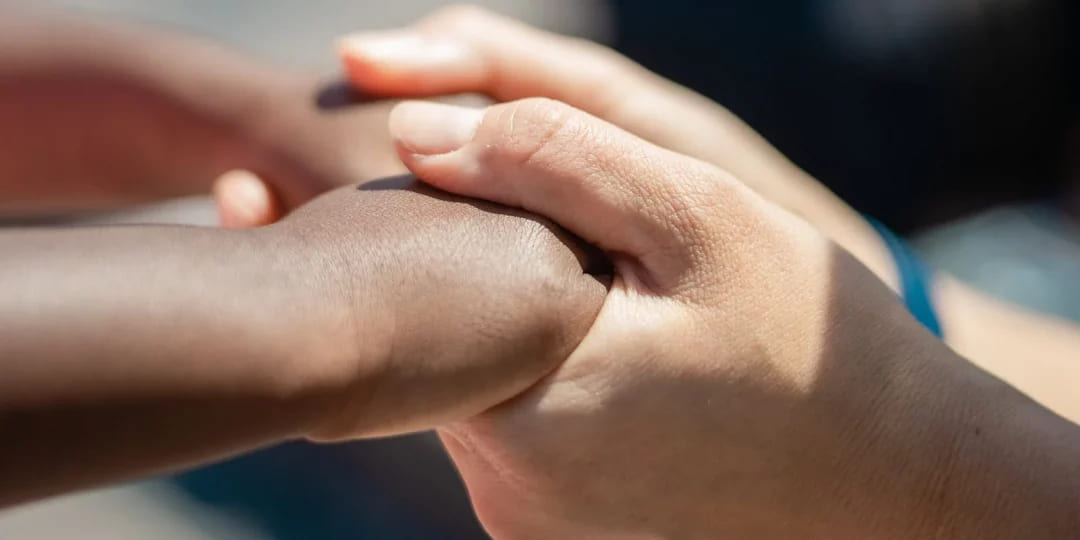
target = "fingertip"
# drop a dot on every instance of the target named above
(361, 74)
(244, 200)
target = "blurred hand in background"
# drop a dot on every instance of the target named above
(97, 114)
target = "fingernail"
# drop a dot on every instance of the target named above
(427, 128)
(403, 48)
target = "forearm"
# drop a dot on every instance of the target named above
(99, 113)
(131, 350)
(1010, 467)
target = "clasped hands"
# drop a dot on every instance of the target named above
(736, 375)
(627, 315)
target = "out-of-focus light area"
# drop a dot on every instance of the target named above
(302, 33)
(954, 121)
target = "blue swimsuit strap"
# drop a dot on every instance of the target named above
(915, 278)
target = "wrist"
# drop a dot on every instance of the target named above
(283, 326)
(336, 329)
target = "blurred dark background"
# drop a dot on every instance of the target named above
(914, 111)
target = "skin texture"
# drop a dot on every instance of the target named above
(466, 49)
(96, 114)
(366, 313)
(745, 377)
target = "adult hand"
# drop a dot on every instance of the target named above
(745, 377)
(467, 49)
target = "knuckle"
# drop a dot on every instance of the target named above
(723, 223)
(698, 206)
(527, 128)
(705, 194)
(690, 199)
